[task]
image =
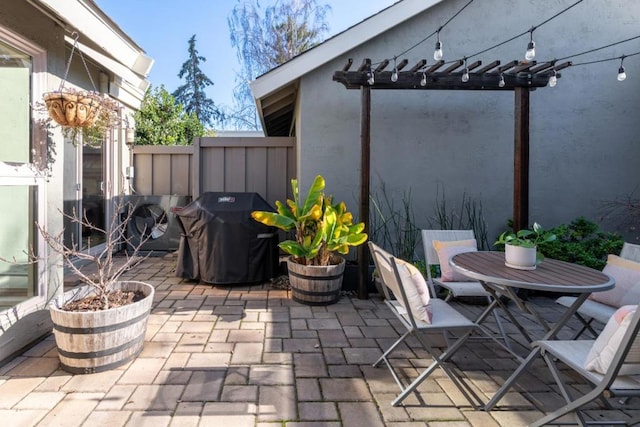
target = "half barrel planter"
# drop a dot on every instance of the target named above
(315, 284)
(97, 341)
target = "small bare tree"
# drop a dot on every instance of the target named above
(105, 272)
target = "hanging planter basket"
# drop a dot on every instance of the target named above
(79, 109)
(84, 111)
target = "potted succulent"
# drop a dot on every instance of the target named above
(521, 247)
(323, 232)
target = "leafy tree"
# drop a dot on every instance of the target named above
(162, 121)
(191, 94)
(267, 37)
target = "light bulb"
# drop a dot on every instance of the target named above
(501, 82)
(621, 74)
(531, 51)
(423, 81)
(394, 75)
(371, 80)
(553, 80)
(465, 75)
(437, 55)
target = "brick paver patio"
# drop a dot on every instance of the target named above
(250, 356)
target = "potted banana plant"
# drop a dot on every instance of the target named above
(324, 231)
(520, 248)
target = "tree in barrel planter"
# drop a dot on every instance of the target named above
(322, 231)
(100, 325)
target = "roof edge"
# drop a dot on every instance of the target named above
(337, 45)
(86, 17)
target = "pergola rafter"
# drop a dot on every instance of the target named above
(521, 77)
(420, 77)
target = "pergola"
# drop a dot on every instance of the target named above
(517, 76)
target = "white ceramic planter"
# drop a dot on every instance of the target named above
(520, 257)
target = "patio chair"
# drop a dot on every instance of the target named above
(401, 279)
(619, 379)
(456, 288)
(592, 310)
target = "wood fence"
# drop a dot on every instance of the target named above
(224, 164)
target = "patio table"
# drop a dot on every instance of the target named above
(550, 276)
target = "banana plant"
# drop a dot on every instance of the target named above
(321, 228)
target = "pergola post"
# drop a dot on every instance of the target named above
(521, 159)
(365, 161)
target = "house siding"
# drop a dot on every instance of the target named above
(583, 143)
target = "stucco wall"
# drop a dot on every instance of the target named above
(583, 141)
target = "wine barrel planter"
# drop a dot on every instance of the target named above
(315, 284)
(96, 341)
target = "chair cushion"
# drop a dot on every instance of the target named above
(416, 289)
(446, 250)
(608, 342)
(626, 273)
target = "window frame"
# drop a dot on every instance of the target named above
(28, 174)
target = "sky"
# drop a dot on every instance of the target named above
(162, 29)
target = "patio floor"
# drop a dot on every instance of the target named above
(250, 356)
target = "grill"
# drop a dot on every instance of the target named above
(222, 244)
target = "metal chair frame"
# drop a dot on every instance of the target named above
(610, 385)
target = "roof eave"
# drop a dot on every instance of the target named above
(347, 40)
(92, 23)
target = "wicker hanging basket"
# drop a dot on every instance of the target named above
(73, 109)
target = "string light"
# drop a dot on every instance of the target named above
(622, 75)
(501, 82)
(423, 81)
(371, 80)
(465, 74)
(394, 74)
(438, 54)
(553, 80)
(531, 47)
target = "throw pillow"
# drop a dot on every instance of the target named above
(416, 289)
(446, 250)
(608, 342)
(626, 274)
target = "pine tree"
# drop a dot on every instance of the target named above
(192, 94)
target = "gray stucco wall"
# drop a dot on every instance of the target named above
(584, 148)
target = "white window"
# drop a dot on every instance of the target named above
(22, 187)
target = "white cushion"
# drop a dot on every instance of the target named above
(413, 283)
(446, 250)
(626, 274)
(416, 289)
(608, 342)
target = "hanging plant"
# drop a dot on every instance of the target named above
(89, 114)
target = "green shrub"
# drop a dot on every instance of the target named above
(581, 242)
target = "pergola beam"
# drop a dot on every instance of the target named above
(441, 80)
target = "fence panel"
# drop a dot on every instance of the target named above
(261, 165)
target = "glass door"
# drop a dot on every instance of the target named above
(93, 196)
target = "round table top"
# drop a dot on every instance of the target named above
(551, 275)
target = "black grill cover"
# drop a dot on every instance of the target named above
(222, 244)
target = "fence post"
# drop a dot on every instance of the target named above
(196, 174)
